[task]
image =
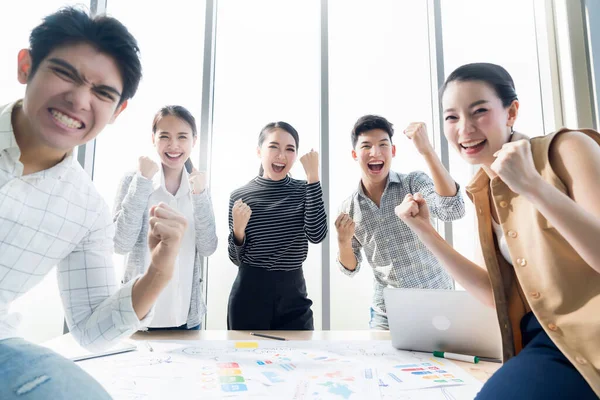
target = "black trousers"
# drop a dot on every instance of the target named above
(262, 299)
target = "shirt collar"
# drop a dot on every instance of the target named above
(158, 182)
(8, 143)
(393, 178)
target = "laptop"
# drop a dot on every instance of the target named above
(430, 320)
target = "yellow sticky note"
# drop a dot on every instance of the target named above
(226, 372)
(246, 345)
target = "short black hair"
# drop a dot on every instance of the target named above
(494, 75)
(71, 26)
(370, 122)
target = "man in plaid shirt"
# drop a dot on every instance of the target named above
(80, 72)
(367, 220)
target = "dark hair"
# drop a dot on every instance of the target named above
(175, 111)
(370, 122)
(272, 126)
(71, 26)
(494, 75)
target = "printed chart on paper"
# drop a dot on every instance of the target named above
(299, 370)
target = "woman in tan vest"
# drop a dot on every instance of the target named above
(538, 216)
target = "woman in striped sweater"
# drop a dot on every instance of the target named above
(271, 220)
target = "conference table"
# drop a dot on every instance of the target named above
(481, 371)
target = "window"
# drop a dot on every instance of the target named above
(267, 69)
(171, 50)
(507, 36)
(373, 70)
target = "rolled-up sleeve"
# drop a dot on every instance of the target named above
(97, 312)
(444, 208)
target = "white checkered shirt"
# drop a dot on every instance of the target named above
(399, 259)
(56, 217)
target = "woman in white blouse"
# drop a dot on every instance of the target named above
(176, 183)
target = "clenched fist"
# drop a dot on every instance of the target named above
(345, 227)
(241, 213)
(197, 181)
(167, 227)
(417, 133)
(147, 167)
(514, 165)
(414, 212)
(310, 162)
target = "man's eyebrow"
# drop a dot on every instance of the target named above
(75, 73)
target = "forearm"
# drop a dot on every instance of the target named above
(234, 250)
(204, 223)
(468, 274)
(238, 236)
(579, 227)
(346, 256)
(315, 217)
(146, 290)
(130, 205)
(443, 182)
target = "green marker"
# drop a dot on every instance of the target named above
(458, 357)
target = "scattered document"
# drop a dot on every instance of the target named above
(300, 370)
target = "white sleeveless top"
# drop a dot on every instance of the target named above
(501, 241)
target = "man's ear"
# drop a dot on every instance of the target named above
(513, 113)
(393, 150)
(118, 111)
(354, 155)
(23, 66)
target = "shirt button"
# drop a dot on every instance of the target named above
(535, 295)
(552, 327)
(503, 204)
(581, 360)
(512, 234)
(480, 211)
(521, 262)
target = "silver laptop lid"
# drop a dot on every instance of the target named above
(442, 320)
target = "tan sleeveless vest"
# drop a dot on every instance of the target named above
(548, 277)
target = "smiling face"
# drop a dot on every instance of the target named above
(173, 140)
(71, 97)
(476, 123)
(374, 152)
(277, 154)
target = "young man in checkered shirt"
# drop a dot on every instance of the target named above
(367, 220)
(79, 73)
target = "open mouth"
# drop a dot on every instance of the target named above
(473, 146)
(375, 166)
(65, 120)
(278, 167)
(173, 156)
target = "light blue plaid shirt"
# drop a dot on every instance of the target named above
(399, 259)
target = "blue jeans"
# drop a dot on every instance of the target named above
(378, 321)
(29, 371)
(540, 371)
